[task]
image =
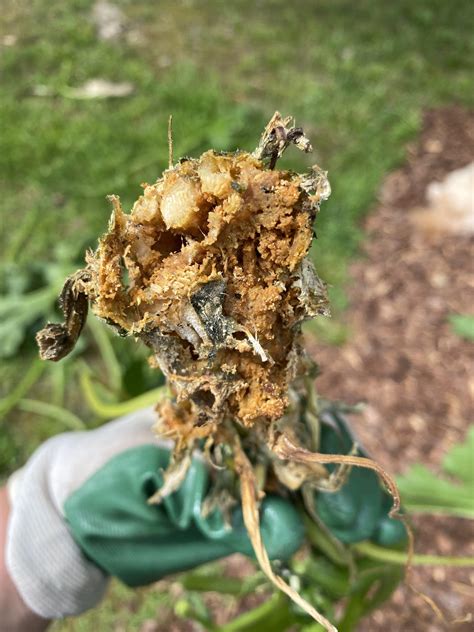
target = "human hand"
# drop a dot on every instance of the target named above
(79, 514)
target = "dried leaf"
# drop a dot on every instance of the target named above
(252, 523)
(173, 477)
(56, 341)
(283, 447)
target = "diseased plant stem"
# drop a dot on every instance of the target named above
(400, 557)
(106, 410)
(114, 372)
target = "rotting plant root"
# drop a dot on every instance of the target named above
(211, 271)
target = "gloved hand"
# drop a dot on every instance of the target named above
(79, 514)
(359, 510)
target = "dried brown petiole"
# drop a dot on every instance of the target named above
(286, 449)
(250, 512)
(56, 341)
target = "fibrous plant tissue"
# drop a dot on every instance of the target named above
(210, 270)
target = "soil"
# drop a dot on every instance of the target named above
(404, 361)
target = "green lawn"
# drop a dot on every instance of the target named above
(357, 76)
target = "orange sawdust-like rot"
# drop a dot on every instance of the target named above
(210, 270)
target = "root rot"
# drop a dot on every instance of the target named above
(210, 270)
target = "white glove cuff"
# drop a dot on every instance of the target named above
(49, 570)
(47, 567)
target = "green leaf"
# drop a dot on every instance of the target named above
(104, 344)
(28, 298)
(393, 556)
(192, 606)
(59, 414)
(18, 313)
(324, 574)
(323, 541)
(202, 581)
(370, 590)
(110, 410)
(31, 376)
(462, 325)
(274, 614)
(459, 461)
(426, 492)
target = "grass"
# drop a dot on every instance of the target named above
(123, 609)
(357, 76)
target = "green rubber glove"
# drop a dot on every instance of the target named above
(359, 510)
(140, 543)
(79, 514)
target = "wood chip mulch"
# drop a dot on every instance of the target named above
(403, 359)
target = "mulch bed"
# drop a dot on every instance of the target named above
(404, 360)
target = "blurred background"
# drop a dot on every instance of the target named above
(384, 91)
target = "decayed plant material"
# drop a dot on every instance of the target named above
(211, 271)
